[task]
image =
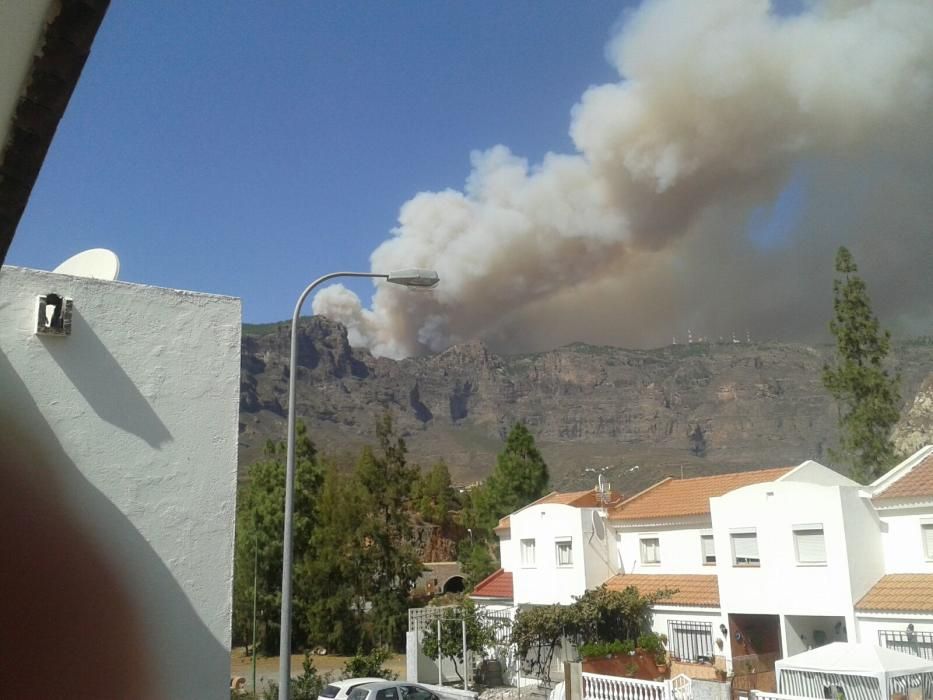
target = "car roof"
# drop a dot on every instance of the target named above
(382, 683)
(346, 682)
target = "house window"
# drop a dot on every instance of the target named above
(528, 552)
(744, 548)
(650, 550)
(809, 544)
(688, 640)
(564, 548)
(707, 550)
(926, 531)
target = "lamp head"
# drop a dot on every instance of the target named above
(415, 277)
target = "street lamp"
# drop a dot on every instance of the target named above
(424, 279)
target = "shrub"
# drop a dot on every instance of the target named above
(598, 649)
(369, 665)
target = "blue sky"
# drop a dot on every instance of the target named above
(245, 148)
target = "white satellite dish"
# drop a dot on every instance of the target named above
(96, 263)
(599, 529)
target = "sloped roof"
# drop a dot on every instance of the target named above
(692, 589)
(497, 585)
(684, 497)
(915, 483)
(900, 593)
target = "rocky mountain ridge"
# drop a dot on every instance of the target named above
(691, 409)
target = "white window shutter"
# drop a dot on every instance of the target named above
(927, 531)
(745, 545)
(811, 546)
(709, 548)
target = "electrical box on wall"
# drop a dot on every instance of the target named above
(53, 315)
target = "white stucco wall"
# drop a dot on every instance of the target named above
(903, 546)
(139, 409)
(600, 556)
(780, 585)
(680, 547)
(545, 582)
(864, 533)
(869, 624)
(508, 556)
(662, 614)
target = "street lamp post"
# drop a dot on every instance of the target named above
(405, 278)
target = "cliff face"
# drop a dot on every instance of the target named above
(916, 427)
(702, 408)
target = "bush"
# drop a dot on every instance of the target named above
(307, 686)
(654, 644)
(369, 665)
(600, 649)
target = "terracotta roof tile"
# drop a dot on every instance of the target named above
(685, 497)
(915, 483)
(497, 585)
(504, 524)
(692, 589)
(900, 593)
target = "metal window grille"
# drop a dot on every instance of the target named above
(690, 641)
(915, 643)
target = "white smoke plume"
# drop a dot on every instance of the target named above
(644, 231)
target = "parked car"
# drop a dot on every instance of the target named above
(391, 690)
(339, 690)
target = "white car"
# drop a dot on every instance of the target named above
(339, 690)
(391, 690)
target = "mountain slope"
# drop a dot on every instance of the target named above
(701, 407)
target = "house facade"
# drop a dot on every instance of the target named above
(123, 416)
(757, 565)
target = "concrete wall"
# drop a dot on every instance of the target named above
(679, 548)
(546, 582)
(508, 551)
(798, 632)
(600, 555)
(870, 624)
(903, 546)
(780, 585)
(136, 415)
(864, 543)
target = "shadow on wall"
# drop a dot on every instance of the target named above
(100, 379)
(91, 620)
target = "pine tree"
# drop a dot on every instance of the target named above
(520, 477)
(867, 395)
(389, 565)
(334, 613)
(435, 495)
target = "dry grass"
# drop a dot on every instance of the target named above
(268, 666)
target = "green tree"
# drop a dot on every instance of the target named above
(454, 620)
(868, 397)
(476, 561)
(435, 495)
(334, 611)
(389, 564)
(520, 477)
(259, 526)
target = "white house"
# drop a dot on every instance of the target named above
(120, 414)
(555, 549)
(765, 564)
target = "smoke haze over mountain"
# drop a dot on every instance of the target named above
(710, 188)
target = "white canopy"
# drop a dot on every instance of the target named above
(863, 671)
